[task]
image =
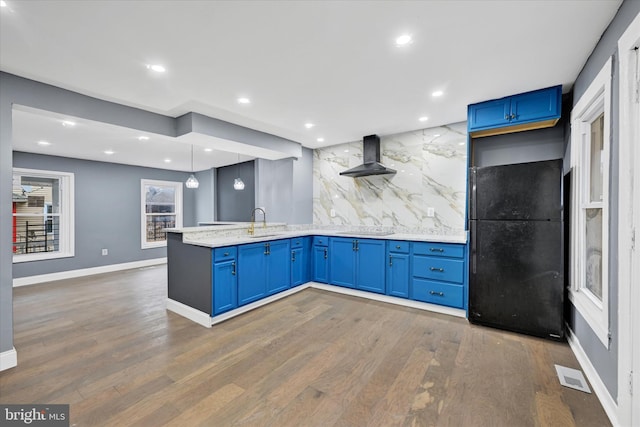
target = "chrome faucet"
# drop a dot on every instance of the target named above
(253, 220)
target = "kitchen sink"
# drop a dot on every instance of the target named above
(257, 236)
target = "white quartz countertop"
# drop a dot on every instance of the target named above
(220, 235)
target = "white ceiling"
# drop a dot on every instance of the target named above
(332, 63)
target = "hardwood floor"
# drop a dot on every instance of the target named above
(106, 345)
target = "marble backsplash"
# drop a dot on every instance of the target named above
(431, 165)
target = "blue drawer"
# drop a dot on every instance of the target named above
(320, 241)
(437, 292)
(225, 253)
(296, 242)
(398, 246)
(439, 249)
(449, 270)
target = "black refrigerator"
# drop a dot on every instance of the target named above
(516, 268)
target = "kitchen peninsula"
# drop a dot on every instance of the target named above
(219, 271)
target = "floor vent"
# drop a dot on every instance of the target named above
(572, 378)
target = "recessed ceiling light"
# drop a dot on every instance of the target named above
(436, 135)
(156, 67)
(109, 152)
(346, 151)
(437, 93)
(3, 3)
(143, 138)
(320, 139)
(403, 40)
(244, 101)
(208, 150)
(460, 143)
(68, 123)
(167, 160)
(309, 125)
(44, 143)
(423, 118)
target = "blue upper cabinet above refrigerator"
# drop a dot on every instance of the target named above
(526, 111)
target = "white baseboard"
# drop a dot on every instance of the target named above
(61, 275)
(391, 300)
(8, 359)
(609, 405)
(200, 317)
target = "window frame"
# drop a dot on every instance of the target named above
(595, 101)
(66, 215)
(177, 186)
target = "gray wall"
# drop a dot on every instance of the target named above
(232, 204)
(285, 188)
(604, 360)
(520, 147)
(107, 212)
(205, 200)
(17, 90)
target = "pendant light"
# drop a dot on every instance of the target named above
(192, 182)
(238, 184)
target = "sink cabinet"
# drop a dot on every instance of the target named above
(300, 265)
(263, 270)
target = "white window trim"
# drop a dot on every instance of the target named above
(143, 217)
(595, 100)
(67, 219)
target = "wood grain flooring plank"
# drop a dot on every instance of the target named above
(107, 345)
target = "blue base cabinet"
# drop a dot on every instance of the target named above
(263, 269)
(439, 274)
(300, 260)
(398, 268)
(320, 261)
(225, 280)
(357, 264)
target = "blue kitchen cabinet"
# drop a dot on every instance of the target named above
(370, 265)
(342, 262)
(320, 261)
(300, 265)
(398, 268)
(440, 274)
(252, 284)
(278, 267)
(225, 283)
(536, 109)
(357, 263)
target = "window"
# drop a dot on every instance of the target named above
(161, 208)
(590, 234)
(42, 215)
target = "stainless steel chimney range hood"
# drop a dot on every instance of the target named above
(371, 160)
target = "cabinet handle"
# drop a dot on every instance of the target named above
(267, 249)
(440, 294)
(325, 253)
(233, 272)
(390, 261)
(353, 245)
(436, 249)
(226, 254)
(441, 270)
(397, 246)
(513, 116)
(357, 246)
(506, 117)
(293, 256)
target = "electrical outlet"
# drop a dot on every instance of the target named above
(431, 212)
(105, 252)
(332, 213)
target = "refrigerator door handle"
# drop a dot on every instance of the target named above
(473, 175)
(473, 247)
